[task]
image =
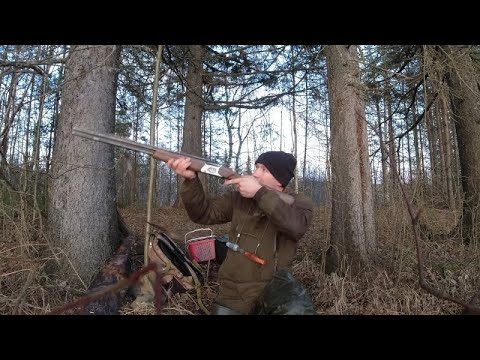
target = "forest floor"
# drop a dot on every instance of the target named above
(389, 286)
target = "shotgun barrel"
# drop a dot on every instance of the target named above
(199, 164)
(129, 144)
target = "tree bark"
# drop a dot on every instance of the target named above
(8, 120)
(432, 143)
(464, 84)
(82, 207)
(391, 136)
(192, 129)
(304, 172)
(447, 149)
(385, 180)
(353, 232)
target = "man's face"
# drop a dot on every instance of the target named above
(265, 177)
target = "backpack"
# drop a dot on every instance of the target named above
(179, 273)
(177, 269)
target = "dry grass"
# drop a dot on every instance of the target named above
(390, 286)
(25, 287)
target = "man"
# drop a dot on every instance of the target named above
(261, 223)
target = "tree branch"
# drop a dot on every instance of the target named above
(414, 216)
(132, 279)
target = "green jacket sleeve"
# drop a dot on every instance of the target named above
(202, 210)
(293, 219)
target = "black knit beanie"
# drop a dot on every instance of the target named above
(280, 164)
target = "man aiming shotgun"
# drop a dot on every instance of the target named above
(265, 222)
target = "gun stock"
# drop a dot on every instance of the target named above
(198, 164)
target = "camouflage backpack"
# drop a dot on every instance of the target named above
(179, 273)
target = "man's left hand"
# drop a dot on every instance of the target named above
(247, 185)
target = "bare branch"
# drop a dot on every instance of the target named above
(132, 279)
(415, 215)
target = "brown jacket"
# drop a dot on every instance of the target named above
(260, 225)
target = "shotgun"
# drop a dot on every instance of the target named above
(198, 164)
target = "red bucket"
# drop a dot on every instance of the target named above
(201, 248)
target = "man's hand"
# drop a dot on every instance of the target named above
(180, 166)
(247, 185)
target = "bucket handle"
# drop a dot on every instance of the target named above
(197, 238)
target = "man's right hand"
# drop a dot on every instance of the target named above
(180, 166)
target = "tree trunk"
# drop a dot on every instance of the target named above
(241, 140)
(463, 81)
(53, 125)
(153, 162)
(304, 172)
(294, 128)
(419, 163)
(229, 124)
(447, 149)
(192, 134)
(353, 231)
(417, 146)
(432, 144)
(8, 120)
(281, 129)
(409, 155)
(192, 129)
(36, 148)
(133, 180)
(82, 207)
(385, 180)
(391, 136)
(422, 158)
(328, 165)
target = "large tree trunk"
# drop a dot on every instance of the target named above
(192, 129)
(82, 206)
(464, 84)
(353, 232)
(192, 134)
